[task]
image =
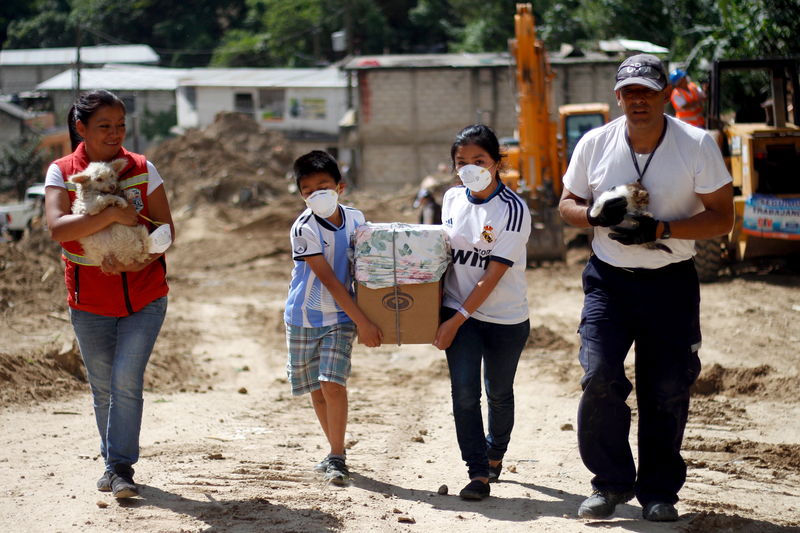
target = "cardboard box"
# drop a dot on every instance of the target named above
(414, 308)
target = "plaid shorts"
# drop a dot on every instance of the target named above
(318, 354)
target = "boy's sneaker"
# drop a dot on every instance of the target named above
(104, 483)
(122, 485)
(321, 466)
(336, 471)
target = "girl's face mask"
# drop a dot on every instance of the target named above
(323, 202)
(474, 177)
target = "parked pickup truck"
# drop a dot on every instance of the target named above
(19, 217)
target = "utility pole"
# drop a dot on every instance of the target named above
(76, 86)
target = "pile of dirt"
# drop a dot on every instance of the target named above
(764, 455)
(710, 521)
(31, 279)
(232, 160)
(761, 381)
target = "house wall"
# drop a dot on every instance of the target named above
(150, 101)
(310, 109)
(408, 118)
(582, 82)
(17, 78)
(11, 128)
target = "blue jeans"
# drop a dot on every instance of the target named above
(498, 347)
(115, 351)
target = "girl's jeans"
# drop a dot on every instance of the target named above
(498, 348)
(115, 351)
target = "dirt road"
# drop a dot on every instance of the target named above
(225, 447)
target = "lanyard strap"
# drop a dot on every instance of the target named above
(633, 154)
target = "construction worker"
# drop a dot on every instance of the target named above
(687, 98)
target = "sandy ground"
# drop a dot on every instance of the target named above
(226, 448)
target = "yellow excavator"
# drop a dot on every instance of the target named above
(540, 157)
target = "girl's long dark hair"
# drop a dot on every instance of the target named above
(85, 107)
(480, 135)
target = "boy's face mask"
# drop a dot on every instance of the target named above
(323, 202)
(474, 177)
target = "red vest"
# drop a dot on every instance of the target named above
(89, 288)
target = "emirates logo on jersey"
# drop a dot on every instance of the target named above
(488, 234)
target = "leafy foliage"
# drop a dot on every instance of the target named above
(20, 163)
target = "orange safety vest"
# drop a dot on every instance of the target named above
(692, 95)
(89, 288)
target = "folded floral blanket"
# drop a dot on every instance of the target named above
(391, 254)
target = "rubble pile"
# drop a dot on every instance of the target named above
(232, 160)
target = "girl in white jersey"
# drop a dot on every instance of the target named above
(485, 310)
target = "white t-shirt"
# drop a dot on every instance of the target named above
(496, 229)
(54, 178)
(687, 163)
(310, 304)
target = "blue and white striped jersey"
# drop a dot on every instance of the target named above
(310, 304)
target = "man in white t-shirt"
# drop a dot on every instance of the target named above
(641, 288)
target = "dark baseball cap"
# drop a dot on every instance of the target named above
(642, 69)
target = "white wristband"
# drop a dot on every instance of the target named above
(463, 312)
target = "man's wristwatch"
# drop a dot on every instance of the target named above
(666, 234)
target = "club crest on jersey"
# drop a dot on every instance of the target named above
(488, 234)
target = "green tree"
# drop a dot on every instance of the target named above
(480, 26)
(48, 25)
(21, 163)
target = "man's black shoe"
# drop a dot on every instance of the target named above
(601, 504)
(475, 490)
(660, 512)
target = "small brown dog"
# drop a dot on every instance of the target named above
(97, 187)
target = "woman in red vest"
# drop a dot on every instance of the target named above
(116, 309)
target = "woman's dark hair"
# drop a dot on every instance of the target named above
(84, 108)
(315, 162)
(480, 135)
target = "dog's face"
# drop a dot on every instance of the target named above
(100, 176)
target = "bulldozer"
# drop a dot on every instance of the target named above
(763, 158)
(539, 157)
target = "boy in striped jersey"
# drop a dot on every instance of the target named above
(321, 315)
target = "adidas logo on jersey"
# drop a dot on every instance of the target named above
(448, 222)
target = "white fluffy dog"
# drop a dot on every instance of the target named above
(97, 188)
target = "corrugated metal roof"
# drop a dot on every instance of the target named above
(116, 78)
(93, 55)
(631, 45)
(132, 78)
(402, 61)
(266, 77)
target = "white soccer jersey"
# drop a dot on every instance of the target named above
(687, 163)
(495, 229)
(310, 304)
